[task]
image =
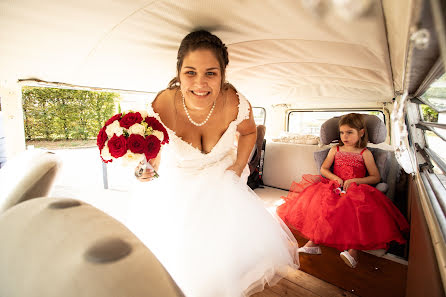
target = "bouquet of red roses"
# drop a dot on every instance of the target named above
(133, 136)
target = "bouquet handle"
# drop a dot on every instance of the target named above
(142, 166)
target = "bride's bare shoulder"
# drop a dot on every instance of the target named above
(232, 94)
(164, 104)
(232, 100)
(163, 99)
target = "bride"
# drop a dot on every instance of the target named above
(210, 231)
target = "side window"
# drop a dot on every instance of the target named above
(433, 115)
(259, 114)
(309, 122)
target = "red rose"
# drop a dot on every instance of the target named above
(112, 119)
(136, 143)
(156, 125)
(117, 146)
(130, 119)
(152, 147)
(161, 128)
(102, 138)
(151, 121)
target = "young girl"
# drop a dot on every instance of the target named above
(340, 209)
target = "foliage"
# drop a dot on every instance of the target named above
(429, 114)
(435, 96)
(52, 114)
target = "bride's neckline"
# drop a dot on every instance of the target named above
(190, 144)
(197, 149)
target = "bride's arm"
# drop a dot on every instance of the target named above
(162, 105)
(246, 141)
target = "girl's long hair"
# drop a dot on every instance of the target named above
(357, 122)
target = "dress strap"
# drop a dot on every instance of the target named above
(362, 151)
(337, 148)
(243, 109)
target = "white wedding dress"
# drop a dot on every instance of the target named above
(206, 226)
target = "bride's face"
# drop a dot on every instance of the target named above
(200, 78)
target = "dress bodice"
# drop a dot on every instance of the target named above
(348, 165)
(182, 154)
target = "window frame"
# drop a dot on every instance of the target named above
(434, 187)
(264, 112)
(428, 154)
(384, 112)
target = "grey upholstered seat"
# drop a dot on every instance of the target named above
(377, 133)
(28, 175)
(52, 247)
(255, 155)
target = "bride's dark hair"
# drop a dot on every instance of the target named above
(201, 40)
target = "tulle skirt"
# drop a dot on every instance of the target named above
(211, 232)
(363, 218)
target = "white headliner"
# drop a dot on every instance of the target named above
(278, 53)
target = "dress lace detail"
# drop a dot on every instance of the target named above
(348, 165)
(243, 109)
(210, 231)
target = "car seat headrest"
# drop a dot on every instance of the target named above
(376, 129)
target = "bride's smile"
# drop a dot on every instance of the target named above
(200, 78)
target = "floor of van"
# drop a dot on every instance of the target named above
(301, 284)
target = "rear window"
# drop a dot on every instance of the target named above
(309, 122)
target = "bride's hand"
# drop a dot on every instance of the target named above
(147, 174)
(236, 168)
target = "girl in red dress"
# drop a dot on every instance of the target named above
(340, 209)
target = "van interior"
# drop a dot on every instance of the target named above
(300, 63)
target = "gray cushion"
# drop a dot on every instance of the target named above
(253, 157)
(319, 157)
(382, 158)
(28, 175)
(56, 247)
(376, 129)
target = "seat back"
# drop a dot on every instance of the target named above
(377, 133)
(28, 175)
(376, 129)
(56, 247)
(255, 164)
(288, 162)
(254, 158)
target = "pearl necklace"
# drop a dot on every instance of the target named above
(192, 121)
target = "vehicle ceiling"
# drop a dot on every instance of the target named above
(280, 51)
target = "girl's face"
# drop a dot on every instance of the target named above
(200, 78)
(350, 136)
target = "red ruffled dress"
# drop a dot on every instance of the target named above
(363, 218)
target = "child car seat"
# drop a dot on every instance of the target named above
(377, 133)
